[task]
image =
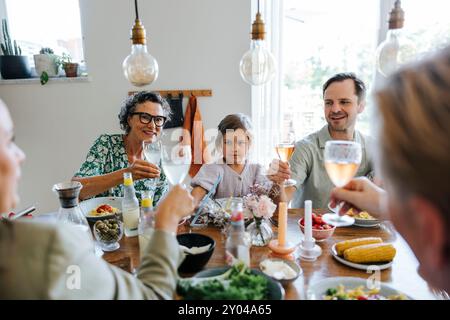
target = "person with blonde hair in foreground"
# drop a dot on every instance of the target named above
(413, 158)
(52, 261)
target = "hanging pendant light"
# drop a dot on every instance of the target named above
(139, 67)
(257, 65)
(396, 49)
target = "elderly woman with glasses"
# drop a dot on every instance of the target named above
(142, 117)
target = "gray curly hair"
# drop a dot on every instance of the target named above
(131, 102)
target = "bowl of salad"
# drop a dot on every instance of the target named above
(230, 283)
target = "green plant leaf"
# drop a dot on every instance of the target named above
(44, 77)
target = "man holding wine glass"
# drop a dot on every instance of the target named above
(344, 98)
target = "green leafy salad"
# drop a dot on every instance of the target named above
(237, 283)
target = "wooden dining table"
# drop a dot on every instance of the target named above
(402, 275)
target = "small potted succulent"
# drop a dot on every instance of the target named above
(70, 68)
(13, 65)
(46, 61)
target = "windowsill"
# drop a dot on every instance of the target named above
(50, 80)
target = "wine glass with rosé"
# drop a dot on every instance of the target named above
(342, 160)
(285, 150)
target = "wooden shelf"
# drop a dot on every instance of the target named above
(186, 93)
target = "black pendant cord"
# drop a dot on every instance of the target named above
(258, 6)
(136, 8)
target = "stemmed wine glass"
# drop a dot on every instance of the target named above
(285, 150)
(176, 161)
(342, 160)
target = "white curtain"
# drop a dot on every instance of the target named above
(266, 99)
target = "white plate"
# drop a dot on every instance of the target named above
(318, 289)
(344, 221)
(89, 205)
(367, 223)
(357, 222)
(360, 266)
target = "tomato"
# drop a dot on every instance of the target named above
(361, 298)
(104, 208)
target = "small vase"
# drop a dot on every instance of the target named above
(260, 232)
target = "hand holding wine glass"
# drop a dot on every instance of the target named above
(342, 160)
(285, 150)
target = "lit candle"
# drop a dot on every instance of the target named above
(308, 220)
(282, 223)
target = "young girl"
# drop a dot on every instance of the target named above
(238, 175)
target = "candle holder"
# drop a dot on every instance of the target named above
(309, 250)
(282, 251)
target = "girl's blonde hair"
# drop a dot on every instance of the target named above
(233, 122)
(414, 132)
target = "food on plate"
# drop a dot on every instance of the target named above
(347, 244)
(108, 230)
(359, 293)
(365, 250)
(317, 223)
(103, 210)
(363, 215)
(370, 253)
(238, 283)
(278, 270)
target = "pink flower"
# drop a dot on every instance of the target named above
(251, 202)
(265, 208)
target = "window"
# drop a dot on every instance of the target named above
(46, 23)
(323, 37)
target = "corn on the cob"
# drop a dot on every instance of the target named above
(370, 253)
(344, 245)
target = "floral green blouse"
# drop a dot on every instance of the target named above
(108, 155)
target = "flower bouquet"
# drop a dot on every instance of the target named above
(262, 209)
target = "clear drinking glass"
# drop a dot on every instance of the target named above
(176, 161)
(152, 153)
(342, 160)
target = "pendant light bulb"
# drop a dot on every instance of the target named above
(395, 50)
(257, 65)
(139, 67)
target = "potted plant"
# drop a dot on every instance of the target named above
(12, 64)
(46, 61)
(70, 68)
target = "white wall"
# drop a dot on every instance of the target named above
(198, 44)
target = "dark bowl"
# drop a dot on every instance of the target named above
(92, 220)
(195, 262)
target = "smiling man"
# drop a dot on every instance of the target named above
(344, 98)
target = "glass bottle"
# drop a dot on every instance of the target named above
(130, 207)
(146, 221)
(237, 245)
(69, 211)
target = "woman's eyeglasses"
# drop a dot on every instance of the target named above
(146, 118)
